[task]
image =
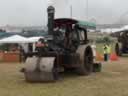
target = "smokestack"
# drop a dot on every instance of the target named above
(51, 13)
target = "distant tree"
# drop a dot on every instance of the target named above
(105, 39)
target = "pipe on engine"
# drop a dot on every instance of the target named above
(51, 13)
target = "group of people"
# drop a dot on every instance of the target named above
(107, 51)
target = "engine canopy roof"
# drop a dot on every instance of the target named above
(68, 21)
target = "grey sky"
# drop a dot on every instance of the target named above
(104, 11)
(33, 12)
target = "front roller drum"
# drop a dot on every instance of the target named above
(40, 69)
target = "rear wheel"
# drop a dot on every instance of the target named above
(117, 50)
(86, 66)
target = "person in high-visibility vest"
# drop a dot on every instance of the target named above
(105, 50)
(108, 50)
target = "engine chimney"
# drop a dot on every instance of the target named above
(51, 12)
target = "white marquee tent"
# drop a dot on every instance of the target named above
(20, 39)
(15, 39)
(34, 39)
(23, 41)
(121, 29)
(125, 27)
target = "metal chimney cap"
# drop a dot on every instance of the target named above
(51, 8)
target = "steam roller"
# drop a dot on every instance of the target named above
(66, 46)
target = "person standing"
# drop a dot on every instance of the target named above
(40, 45)
(105, 49)
(108, 50)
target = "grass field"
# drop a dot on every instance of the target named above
(112, 81)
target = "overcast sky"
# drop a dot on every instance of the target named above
(33, 12)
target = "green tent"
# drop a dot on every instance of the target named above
(5, 34)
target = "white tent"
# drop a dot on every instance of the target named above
(116, 30)
(15, 39)
(23, 41)
(125, 27)
(34, 39)
(121, 29)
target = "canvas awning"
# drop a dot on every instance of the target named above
(87, 24)
(70, 21)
